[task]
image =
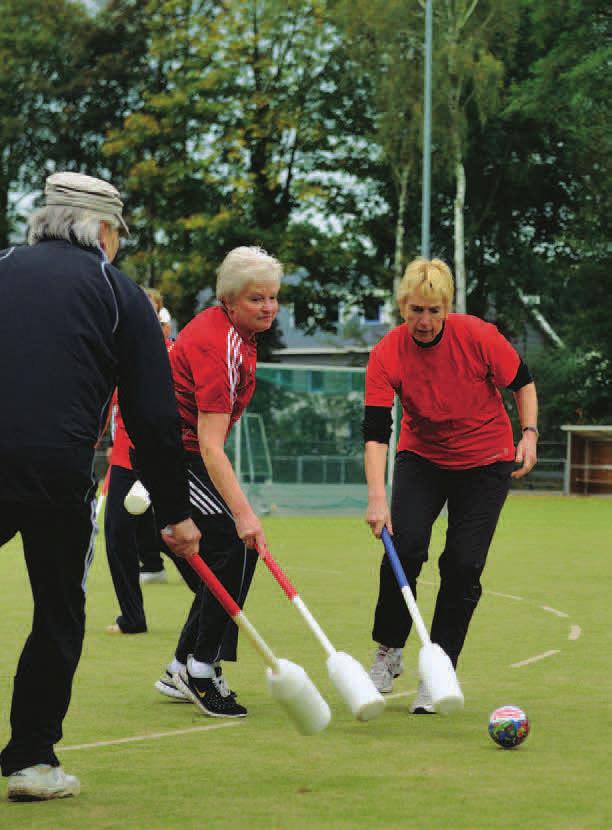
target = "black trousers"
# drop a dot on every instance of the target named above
(126, 538)
(209, 633)
(475, 498)
(150, 560)
(58, 544)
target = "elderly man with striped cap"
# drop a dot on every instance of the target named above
(83, 328)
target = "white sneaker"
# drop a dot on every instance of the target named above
(41, 782)
(387, 665)
(168, 687)
(422, 704)
(397, 662)
(151, 577)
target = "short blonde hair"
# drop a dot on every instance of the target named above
(245, 265)
(430, 279)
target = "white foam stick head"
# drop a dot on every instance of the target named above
(438, 675)
(292, 687)
(137, 500)
(355, 686)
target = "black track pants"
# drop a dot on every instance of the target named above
(126, 537)
(209, 634)
(475, 498)
(58, 544)
(123, 533)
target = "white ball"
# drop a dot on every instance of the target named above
(137, 500)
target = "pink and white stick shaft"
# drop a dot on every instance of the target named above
(291, 592)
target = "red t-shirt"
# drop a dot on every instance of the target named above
(453, 413)
(120, 454)
(213, 370)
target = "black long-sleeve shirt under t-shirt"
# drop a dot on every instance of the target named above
(74, 327)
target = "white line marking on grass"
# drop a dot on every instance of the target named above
(535, 658)
(505, 596)
(152, 737)
(553, 611)
(485, 591)
(574, 634)
(400, 694)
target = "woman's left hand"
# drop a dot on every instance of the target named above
(378, 515)
(526, 454)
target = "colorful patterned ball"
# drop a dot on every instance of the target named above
(508, 726)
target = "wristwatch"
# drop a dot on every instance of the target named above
(532, 429)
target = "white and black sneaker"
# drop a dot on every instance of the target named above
(168, 687)
(210, 694)
(386, 666)
(422, 704)
(40, 783)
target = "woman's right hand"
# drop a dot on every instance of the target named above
(378, 515)
(251, 532)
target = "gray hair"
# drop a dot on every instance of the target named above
(245, 265)
(70, 223)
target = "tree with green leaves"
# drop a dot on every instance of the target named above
(66, 78)
(470, 39)
(238, 136)
(38, 45)
(165, 148)
(537, 193)
(564, 94)
(386, 47)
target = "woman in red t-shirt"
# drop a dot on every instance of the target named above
(213, 369)
(455, 447)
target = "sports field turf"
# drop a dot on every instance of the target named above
(546, 590)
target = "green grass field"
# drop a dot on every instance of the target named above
(546, 590)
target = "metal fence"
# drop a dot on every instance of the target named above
(318, 469)
(549, 471)
(348, 469)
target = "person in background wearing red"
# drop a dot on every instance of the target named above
(132, 540)
(152, 570)
(123, 533)
(455, 447)
(213, 367)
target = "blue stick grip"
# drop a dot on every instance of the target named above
(393, 558)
